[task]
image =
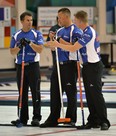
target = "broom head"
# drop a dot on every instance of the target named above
(64, 120)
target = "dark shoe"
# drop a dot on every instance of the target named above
(88, 126)
(16, 122)
(104, 126)
(95, 126)
(48, 124)
(80, 127)
(35, 122)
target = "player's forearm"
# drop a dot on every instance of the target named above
(71, 48)
(36, 48)
(64, 42)
(14, 51)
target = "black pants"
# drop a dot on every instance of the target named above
(54, 57)
(32, 80)
(92, 74)
(68, 74)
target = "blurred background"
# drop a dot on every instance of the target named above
(102, 16)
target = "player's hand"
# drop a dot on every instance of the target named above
(20, 46)
(52, 35)
(21, 43)
(52, 43)
(27, 41)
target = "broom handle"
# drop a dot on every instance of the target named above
(21, 84)
(59, 81)
(81, 95)
(80, 86)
